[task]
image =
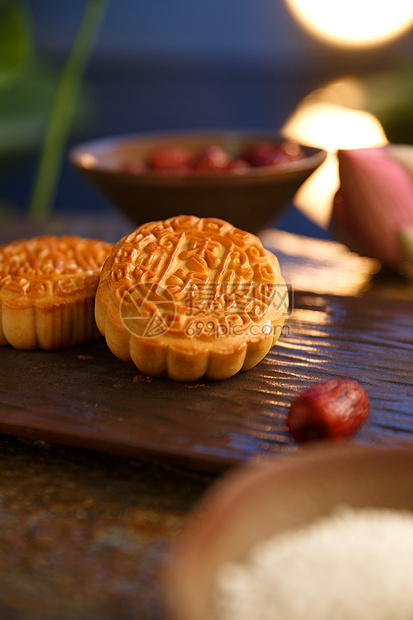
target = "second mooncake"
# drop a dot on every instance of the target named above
(47, 291)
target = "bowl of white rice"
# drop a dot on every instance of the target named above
(324, 533)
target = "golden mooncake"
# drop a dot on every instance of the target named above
(47, 291)
(191, 297)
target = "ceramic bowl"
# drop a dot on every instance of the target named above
(252, 503)
(249, 200)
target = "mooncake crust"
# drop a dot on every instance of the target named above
(191, 297)
(47, 291)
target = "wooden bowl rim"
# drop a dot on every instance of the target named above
(228, 495)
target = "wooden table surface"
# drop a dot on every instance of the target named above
(87, 531)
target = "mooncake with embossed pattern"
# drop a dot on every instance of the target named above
(47, 291)
(191, 297)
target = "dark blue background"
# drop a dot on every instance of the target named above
(177, 64)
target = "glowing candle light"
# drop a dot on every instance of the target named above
(354, 23)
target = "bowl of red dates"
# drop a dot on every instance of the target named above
(247, 178)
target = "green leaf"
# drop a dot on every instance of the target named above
(15, 38)
(63, 109)
(389, 96)
(25, 107)
(6, 209)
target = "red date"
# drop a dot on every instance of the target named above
(170, 158)
(334, 409)
(133, 166)
(212, 157)
(268, 154)
(259, 153)
(238, 166)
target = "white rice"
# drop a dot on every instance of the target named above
(351, 565)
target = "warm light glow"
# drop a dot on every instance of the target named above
(318, 265)
(331, 127)
(354, 23)
(88, 161)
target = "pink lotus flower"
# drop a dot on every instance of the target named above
(373, 209)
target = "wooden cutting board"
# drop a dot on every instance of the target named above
(343, 322)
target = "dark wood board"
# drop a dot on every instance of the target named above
(85, 396)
